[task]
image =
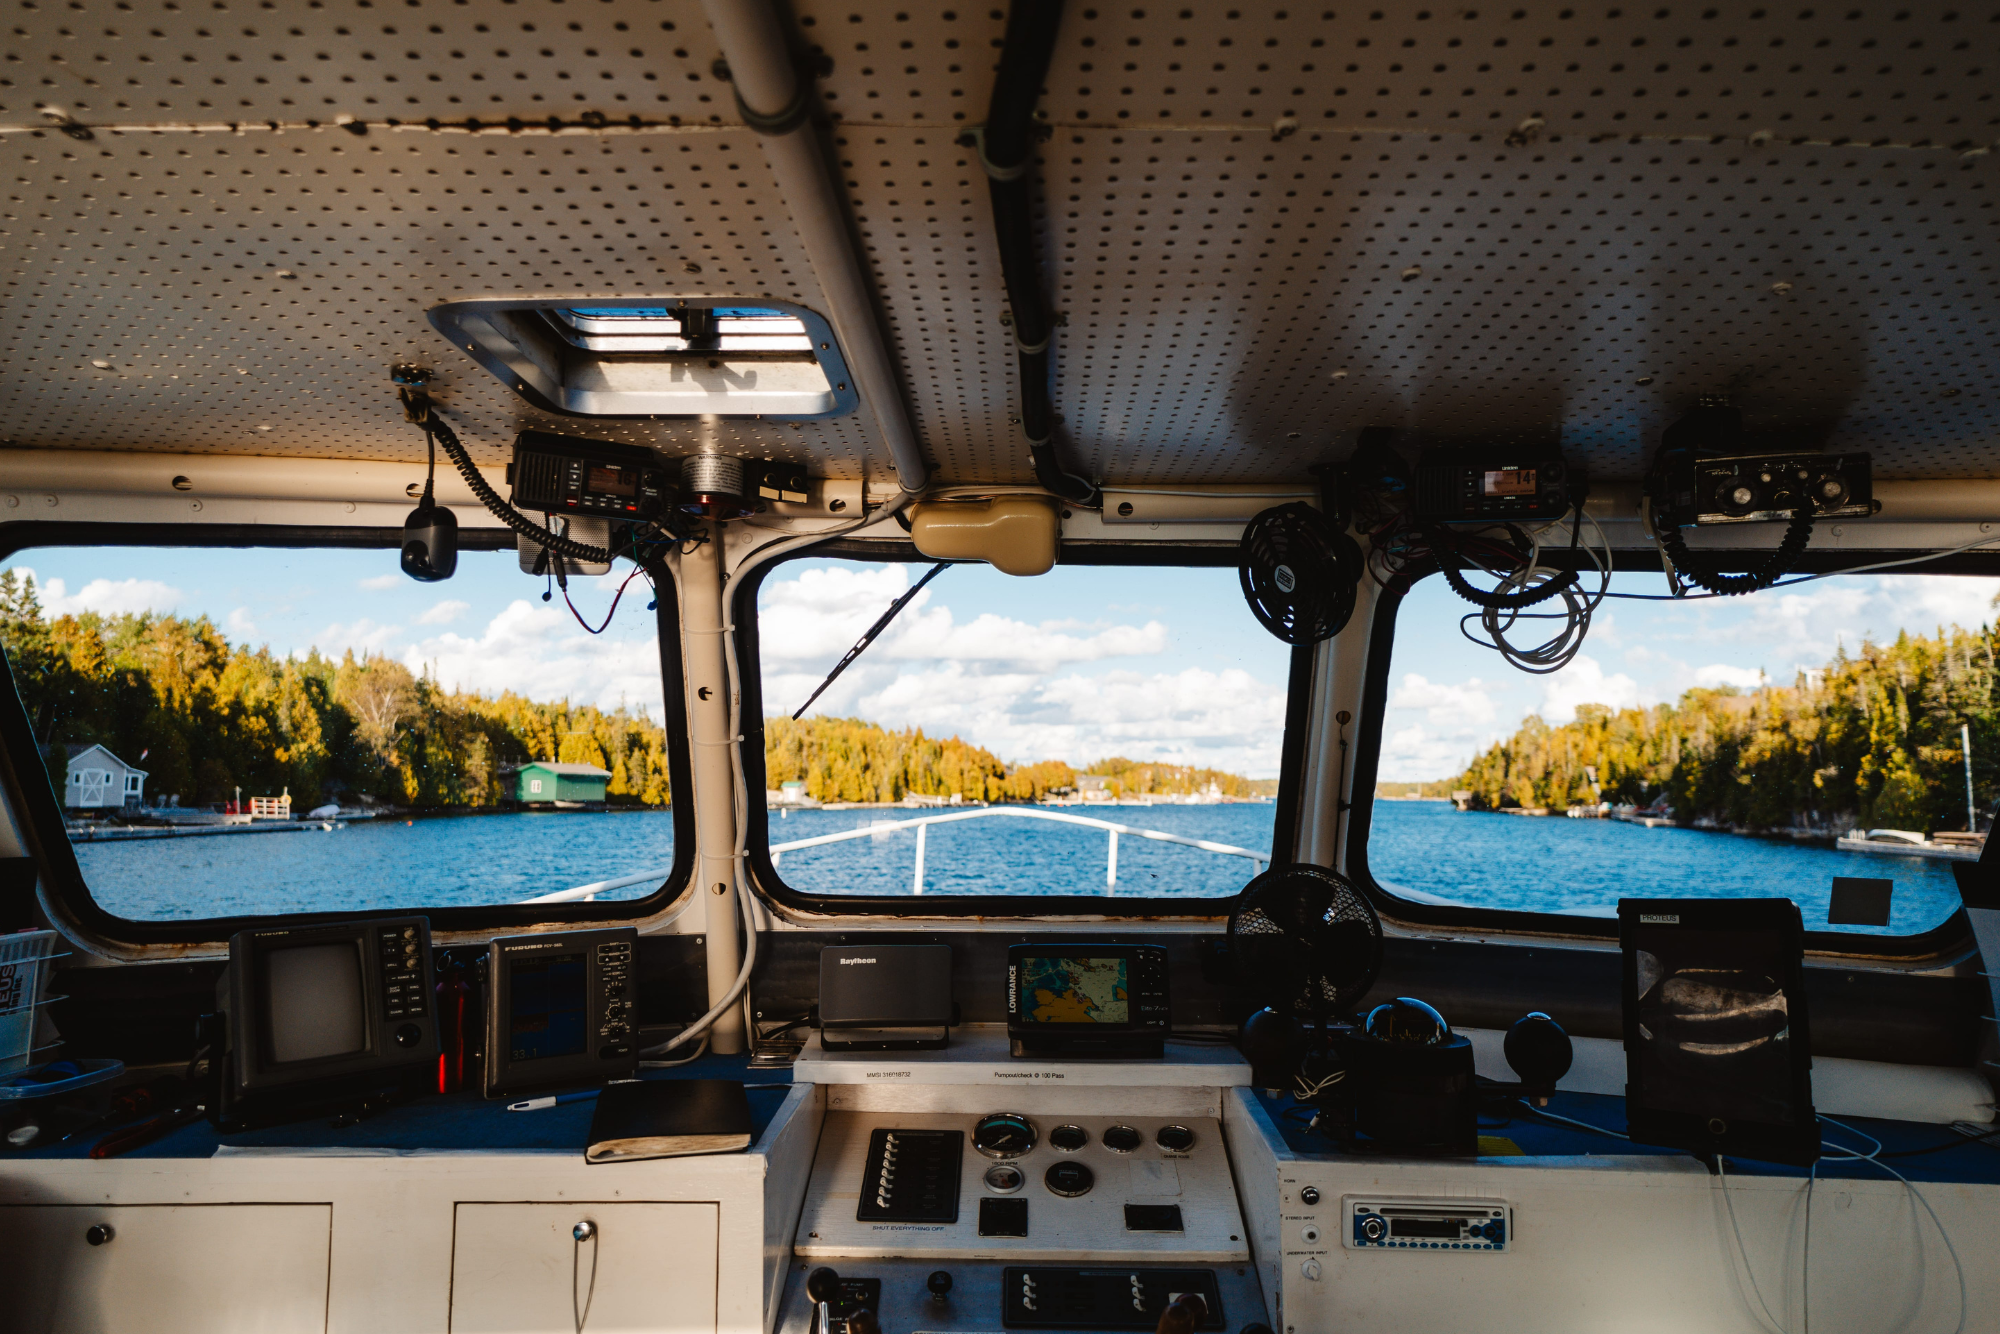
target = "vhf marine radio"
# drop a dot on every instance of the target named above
(561, 474)
(1087, 1000)
(561, 1010)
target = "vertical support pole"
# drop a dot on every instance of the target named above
(702, 621)
(1971, 811)
(917, 883)
(1111, 863)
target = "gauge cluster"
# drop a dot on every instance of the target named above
(1036, 1185)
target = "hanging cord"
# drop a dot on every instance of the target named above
(1769, 1321)
(1515, 592)
(739, 854)
(1579, 604)
(582, 1232)
(1705, 569)
(636, 572)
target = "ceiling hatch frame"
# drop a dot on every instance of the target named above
(526, 347)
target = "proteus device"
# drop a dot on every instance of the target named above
(561, 1010)
(884, 997)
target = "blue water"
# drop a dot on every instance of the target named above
(1583, 867)
(373, 865)
(1424, 848)
(1003, 855)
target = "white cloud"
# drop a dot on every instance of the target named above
(362, 636)
(240, 624)
(376, 583)
(444, 613)
(1414, 753)
(1722, 674)
(1445, 705)
(819, 615)
(109, 597)
(1584, 682)
(540, 651)
(1052, 689)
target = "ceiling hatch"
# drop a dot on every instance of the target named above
(657, 356)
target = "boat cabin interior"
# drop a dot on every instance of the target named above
(786, 667)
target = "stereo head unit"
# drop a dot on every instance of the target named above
(1087, 1000)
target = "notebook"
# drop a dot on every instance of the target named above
(668, 1118)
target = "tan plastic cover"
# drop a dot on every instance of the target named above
(1013, 534)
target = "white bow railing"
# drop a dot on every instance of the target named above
(922, 824)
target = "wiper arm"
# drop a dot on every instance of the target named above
(881, 624)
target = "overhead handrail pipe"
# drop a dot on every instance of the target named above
(777, 103)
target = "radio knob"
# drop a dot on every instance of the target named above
(1373, 1229)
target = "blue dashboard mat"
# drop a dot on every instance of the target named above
(1966, 1161)
(452, 1122)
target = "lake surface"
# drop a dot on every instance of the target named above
(1424, 849)
(1583, 867)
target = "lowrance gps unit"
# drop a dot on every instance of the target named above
(1087, 1000)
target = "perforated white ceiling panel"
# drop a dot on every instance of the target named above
(1264, 227)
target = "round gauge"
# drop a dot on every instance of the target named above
(1122, 1139)
(1068, 1138)
(1069, 1179)
(1175, 1139)
(1004, 1178)
(1003, 1135)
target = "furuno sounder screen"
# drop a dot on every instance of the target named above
(551, 1001)
(315, 1002)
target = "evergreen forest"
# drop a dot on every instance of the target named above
(1872, 738)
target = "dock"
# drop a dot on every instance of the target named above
(131, 833)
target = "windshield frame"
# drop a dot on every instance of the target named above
(33, 796)
(1284, 830)
(1948, 939)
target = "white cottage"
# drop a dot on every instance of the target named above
(99, 779)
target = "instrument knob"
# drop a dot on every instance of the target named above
(1310, 1195)
(939, 1283)
(98, 1233)
(823, 1285)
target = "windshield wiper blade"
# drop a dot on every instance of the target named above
(881, 624)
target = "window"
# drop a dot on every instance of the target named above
(1752, 746)
(308, 730)
(1073, 734)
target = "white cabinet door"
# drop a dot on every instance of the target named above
(517, 1269)
(213, 1268)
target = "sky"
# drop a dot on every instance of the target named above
(485, 629)
(1079, 664)
(1449, 698)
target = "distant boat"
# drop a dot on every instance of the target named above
(326, 812)
(1950, 845)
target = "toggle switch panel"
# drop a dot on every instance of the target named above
(911, 1177)
(1045, 1297)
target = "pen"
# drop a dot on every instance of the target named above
(557, 1100)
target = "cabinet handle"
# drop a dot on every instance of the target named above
(98, 1233)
